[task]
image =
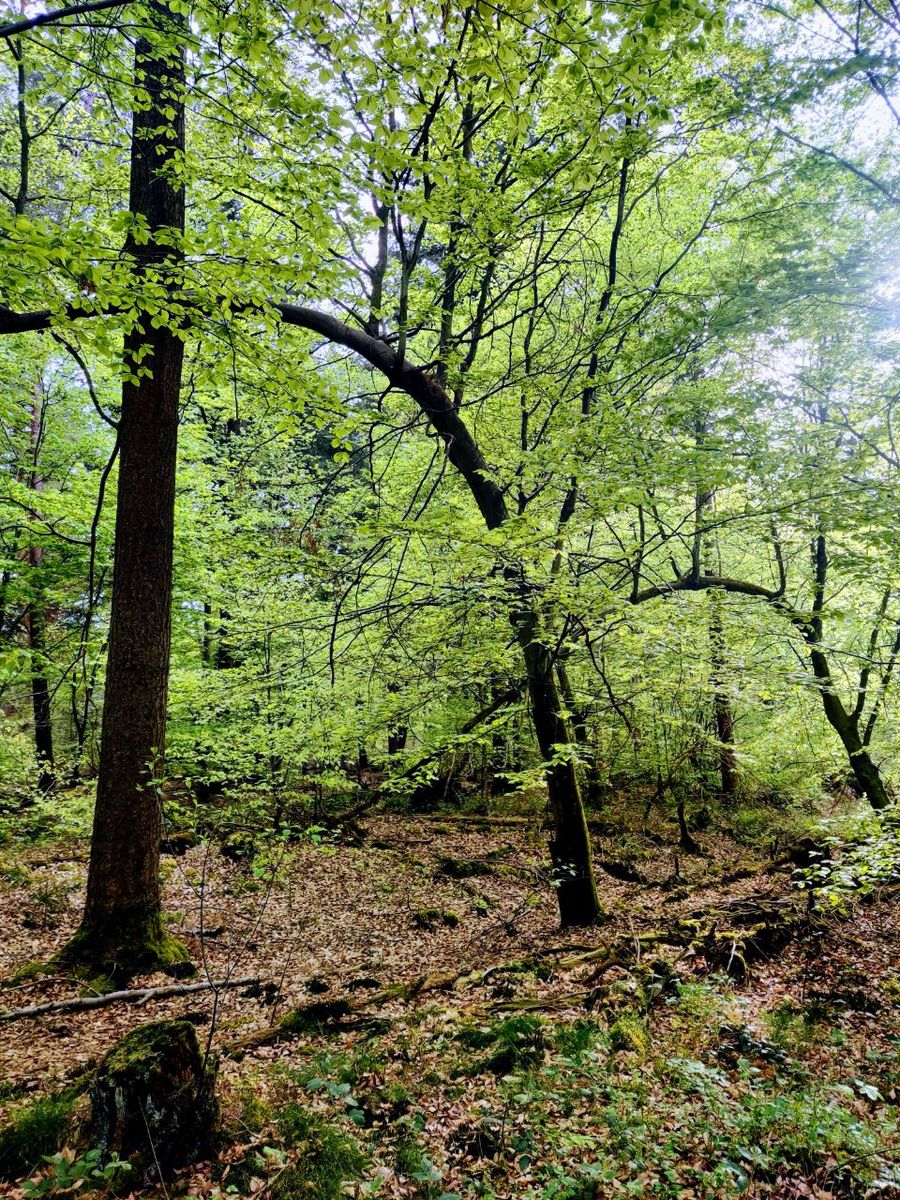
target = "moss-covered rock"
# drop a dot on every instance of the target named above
(432, 918)
(464, 868)
(309, 1018)
(153, 1098)
(179, 842)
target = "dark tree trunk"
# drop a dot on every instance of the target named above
(397, 734)
(570, 847)
(593, 789)
(122, 930)
(225, 656)
(722, 711)
(397, 739)
(35, 624)
(845, 724)
(865, 772)
(206, 636)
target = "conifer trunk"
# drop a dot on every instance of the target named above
(121, 930)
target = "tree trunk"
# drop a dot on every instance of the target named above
(846, 726)
(122, 930)
(35, 624)
(397, 739)
(570, 847)
(578, 898)
(36, 628)
(865, 772)
(722, 711)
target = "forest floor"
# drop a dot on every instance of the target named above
(517, 1060)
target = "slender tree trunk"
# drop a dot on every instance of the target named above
(122, 930)
(865, 772)
(225, 657)
(397, 739)
(35, 621)
(570, 847)
(206, 635)
(36, 628)
(722, 710)
(397, 734)
(579, 725)
(845, 724)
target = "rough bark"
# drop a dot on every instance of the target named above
(153, 1097)
(121, 930)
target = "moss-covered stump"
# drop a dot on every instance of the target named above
(152, 1098)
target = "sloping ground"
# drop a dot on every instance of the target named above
(539, 1064)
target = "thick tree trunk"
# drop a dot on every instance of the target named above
(122, 930)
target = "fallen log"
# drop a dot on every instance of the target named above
(342, 1011)
(130, 996)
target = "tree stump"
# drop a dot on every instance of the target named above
(153, 1097)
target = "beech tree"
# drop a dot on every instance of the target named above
(499, 247)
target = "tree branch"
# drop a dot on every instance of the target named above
(132, 996)
(48, 18)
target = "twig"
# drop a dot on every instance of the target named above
(132, 996)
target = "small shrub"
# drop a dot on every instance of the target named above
(34, 1132)
(328, 1157)
(66, 1173)
(516, 1043)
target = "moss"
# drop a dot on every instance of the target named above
(154, 1093)
(28, 971)
(516, 1043)
(430, 918)
(463, 868)
(411, 1160)
(328, 1157)
(138, 1049)
(629, 1033)
(36, 1129)
(256, 1112)
(110, 953)
(577, 1037)
(310, 1018)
